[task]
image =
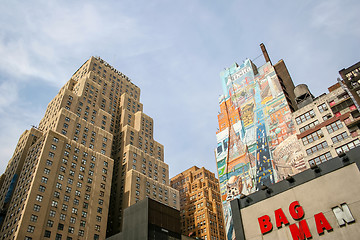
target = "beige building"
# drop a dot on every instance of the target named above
(200, 204)
(326, 125)
(57, 184)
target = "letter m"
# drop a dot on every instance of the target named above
(343, 214)
(302, 232)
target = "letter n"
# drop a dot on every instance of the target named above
(302, 232)
(343, 214)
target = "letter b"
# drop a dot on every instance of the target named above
(265, 224)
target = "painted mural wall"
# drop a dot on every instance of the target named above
(256, 140)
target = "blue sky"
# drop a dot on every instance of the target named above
(173, 50)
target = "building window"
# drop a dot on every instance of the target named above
(97, 228)
(334, 126)
(312, 137)
(327, 116)
(346, 147)
(33, 218)
(316, 148)
(58, 185)
(54, 203)
(52, 213)
(31, 228)
(44, 179)
(322, 107)
(56, 194)
(50, 223)
(308, 126)
(322, 158)
(83, 214)
(39, 198)
(74, 210)
(82, 223)
(304, 117)
(42, 188)
(99, 210)
(340, 137)
(37, 208)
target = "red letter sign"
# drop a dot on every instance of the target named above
(302, 232)
(265, 224)
(296, 210)
(280, 218)
(321, 223)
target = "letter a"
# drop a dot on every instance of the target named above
(321, 223)
(280, 218)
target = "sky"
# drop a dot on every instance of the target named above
(173, 50)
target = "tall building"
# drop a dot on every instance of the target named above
(256, 139)
(351, 78)
(327, 125)
(93, 139)
(200, 204)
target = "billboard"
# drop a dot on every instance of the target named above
(256, 140)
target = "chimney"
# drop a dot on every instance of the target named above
(265, 53)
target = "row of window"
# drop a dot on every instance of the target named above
(319, 134)
(310, 114)
(316, 148)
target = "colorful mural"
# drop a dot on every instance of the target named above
(256, 141)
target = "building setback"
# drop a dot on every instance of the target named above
(200, 204)
(93, 136)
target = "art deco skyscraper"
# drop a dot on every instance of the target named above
(57, 184)
(200, 204)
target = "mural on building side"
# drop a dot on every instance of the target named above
(256, 140)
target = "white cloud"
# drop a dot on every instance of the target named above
(8, 96)
(337, 18)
